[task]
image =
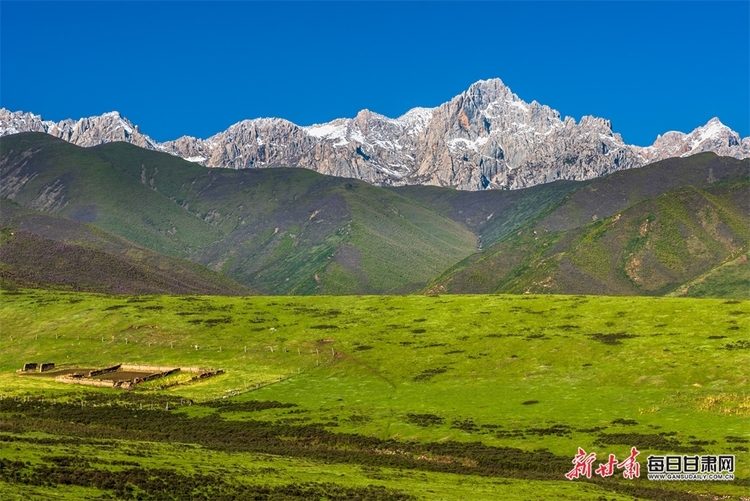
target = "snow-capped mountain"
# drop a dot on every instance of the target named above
(485, 137)
(714, 136)
(85, 132)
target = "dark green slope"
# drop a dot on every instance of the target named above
(492, 214)
(294, 231)
(46, 251)
(729, 280)
(43, 173)
(644, 246)
(276, 230)
(604, 197)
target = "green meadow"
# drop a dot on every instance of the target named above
(371, 397)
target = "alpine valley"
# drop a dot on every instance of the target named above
(379, 206)
(120, 218)
(446, 305)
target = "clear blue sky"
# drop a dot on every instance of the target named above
(195, 68)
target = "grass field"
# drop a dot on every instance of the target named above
(433, 397)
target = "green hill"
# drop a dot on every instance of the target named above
(296, 231)
(293, 231)
(641, 246)
(606, 196)
(48, 174)
(730, 280)
(46, 251)
(492, 214)
(277, 230)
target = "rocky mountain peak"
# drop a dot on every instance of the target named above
(714, 136)
(600, 124)
(486, 137)
(105, 128)
(489, 90)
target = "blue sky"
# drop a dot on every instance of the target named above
(195, 68)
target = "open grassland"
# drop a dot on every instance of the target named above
(372, 397)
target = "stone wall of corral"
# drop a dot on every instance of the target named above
(159, 375)
(103, 383)
(206, 374)
(34, 367)
(106, 370)
(147, 368)
(194, 370)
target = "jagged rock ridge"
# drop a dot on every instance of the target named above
(485, 137)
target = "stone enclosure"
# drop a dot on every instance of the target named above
(125, 376)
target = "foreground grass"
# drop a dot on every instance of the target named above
(275, 471)
(524, 372)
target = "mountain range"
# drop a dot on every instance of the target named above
(120, 218)
(484, 138)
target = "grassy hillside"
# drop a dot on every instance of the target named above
(606, 196)
(277, 230)
(492, 214)
(296, 231)
(293, 231)
(730, 280)
(48, 174)
(652, 246)
(449, 397)
(47, 251)
(391, 232)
